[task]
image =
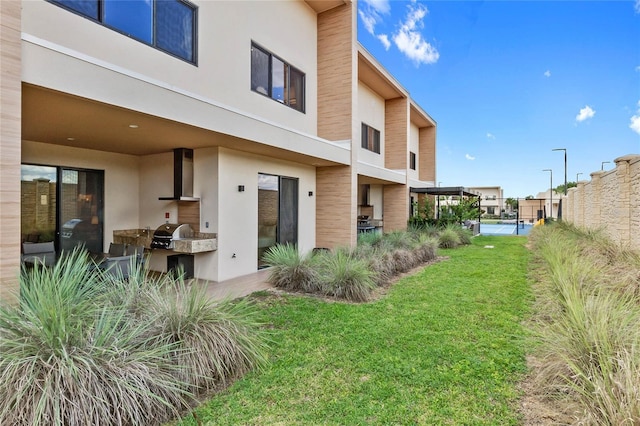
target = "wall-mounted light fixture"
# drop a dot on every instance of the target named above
(240, 188)
(310, 193)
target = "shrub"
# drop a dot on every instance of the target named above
(464, 234)
(404, 260)
(290, 270)
(380, 261)
(369, 238)
(398, 240)
(588, 328)
(346, 277)
(69, 356)
(214, 341)
(448, 238)
(426, 247)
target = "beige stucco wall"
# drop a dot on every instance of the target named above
(611, 201)
(238, 213)
(414, 146)
(223, 71)
(370, 112)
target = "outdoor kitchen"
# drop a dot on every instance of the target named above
(173, 244)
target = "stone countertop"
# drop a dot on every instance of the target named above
(195, 245)
(198, 243)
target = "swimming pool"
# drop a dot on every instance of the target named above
(504, 229)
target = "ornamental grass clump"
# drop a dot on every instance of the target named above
(426, 247)
(448, 238)
(345, 276)
(214, 342)
(588, 328)
(68, 355)
(464, 234)
(290, 270)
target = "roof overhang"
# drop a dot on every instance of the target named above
(320, 6)
(445, 190)
(378, 79)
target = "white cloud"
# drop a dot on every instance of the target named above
(468, 157)
(380, 6)
(490, 136)
(384, 40)
(371, 13)
(638, 67)
(369, 21)
(585, 113)
(547, 73)
(637, 6)
(410, 41)
(635, 120)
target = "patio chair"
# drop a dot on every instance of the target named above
(116, 249)
(137, 252)
(117, 266)
(44, 253)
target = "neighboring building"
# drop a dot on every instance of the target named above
(295, 129)
(551, 203)
(491, 199)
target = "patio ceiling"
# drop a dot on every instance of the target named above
(58, 118)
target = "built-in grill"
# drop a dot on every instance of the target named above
(166, 234)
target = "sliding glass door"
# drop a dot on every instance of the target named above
(63, 205)
(277, 212)
(81, 209)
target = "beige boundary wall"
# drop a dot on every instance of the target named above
(611, 201)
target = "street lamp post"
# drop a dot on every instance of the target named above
(550, 191)
(603, 163)
(577, 176)
(565, 167)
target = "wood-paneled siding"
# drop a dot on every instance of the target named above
(10, 146)
(335, 207)
(396, 207)
(336, 73)
(396, 138)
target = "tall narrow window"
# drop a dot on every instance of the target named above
(412, 160)
(175, 29)
(273, 77)
(370, 138)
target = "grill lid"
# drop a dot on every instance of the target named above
(173, 231)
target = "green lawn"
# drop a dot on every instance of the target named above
(444, 346)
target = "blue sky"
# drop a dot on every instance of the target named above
(508, 81)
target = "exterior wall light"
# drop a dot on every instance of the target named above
(240, 188)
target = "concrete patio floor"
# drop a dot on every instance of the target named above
(239, 286)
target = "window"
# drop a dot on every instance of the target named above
(491, 210)
(273, 77)
(412, 160)
(370, 138)
(168, 25)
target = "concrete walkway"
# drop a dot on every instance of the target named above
(239, 286)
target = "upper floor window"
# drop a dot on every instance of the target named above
(412, 160)
(169, 25)
(370, 138)
(273, 77)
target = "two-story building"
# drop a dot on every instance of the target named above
(289, 129)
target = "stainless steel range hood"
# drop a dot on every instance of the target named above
(182, 176)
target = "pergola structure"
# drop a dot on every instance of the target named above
(460, 191)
